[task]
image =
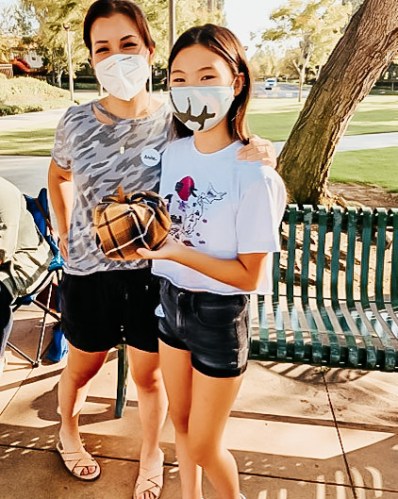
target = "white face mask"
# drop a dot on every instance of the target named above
(201, 108)
(123, 76)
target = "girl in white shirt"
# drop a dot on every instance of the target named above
(226, 216)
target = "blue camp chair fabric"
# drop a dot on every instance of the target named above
(43, 295)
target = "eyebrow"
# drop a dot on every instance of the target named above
(121, 39)
(206, 68)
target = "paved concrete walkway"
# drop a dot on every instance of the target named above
(28, 173)
(16, 168)
(358, 142)
(28, 121)
(296, 433)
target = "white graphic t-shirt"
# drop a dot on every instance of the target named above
(220, 206)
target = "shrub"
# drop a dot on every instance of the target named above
(25, 94)
(7, 110)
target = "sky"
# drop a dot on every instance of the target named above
(245, 16)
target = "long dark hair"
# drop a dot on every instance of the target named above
(223, 42)
(106, 8)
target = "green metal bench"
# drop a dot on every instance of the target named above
(335, 296)
(335, 293)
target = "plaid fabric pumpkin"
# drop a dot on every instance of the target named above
(126, 222)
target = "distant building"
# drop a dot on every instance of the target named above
(34, 60)
(27, 63)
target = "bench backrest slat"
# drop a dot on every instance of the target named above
(335, 261)
(291, 251)
(381, 219)
(276, 275)
(367, 221)
(320, 253)
(306, 251)
(350, 258)
(394, 259)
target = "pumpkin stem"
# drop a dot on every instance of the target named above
(120, 193)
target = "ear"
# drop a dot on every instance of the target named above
(151, 55)
(239, 83)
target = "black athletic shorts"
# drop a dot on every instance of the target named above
(103, 309)
(214, 328)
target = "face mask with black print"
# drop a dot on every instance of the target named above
(201, 108)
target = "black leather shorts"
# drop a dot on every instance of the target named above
(213, 327)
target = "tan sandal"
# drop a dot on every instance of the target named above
(79, 459)
(149, 481)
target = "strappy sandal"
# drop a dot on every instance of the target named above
(149, 481)
(79, 459)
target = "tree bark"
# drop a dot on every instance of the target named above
(365, 50)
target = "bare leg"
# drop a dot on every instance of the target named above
(212, 400)
(152, 406)
(177, 373)
(72, 392)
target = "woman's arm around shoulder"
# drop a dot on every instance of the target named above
(258, 149)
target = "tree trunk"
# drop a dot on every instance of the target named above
(301, 84)
(301, 75)
(59, 77)
(366, 48)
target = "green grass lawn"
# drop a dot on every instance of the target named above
(372, 166)
(274, 118)
(36, 141)
(271, 118)
(27, 143)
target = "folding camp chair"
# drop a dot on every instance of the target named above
(39, 208)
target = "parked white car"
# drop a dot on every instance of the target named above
(270, 83)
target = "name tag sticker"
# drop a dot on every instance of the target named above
(150, 157)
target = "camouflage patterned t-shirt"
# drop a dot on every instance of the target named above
(101, 157)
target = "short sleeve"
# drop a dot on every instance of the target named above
(260, 212)
(60, 152)
(164, 170)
